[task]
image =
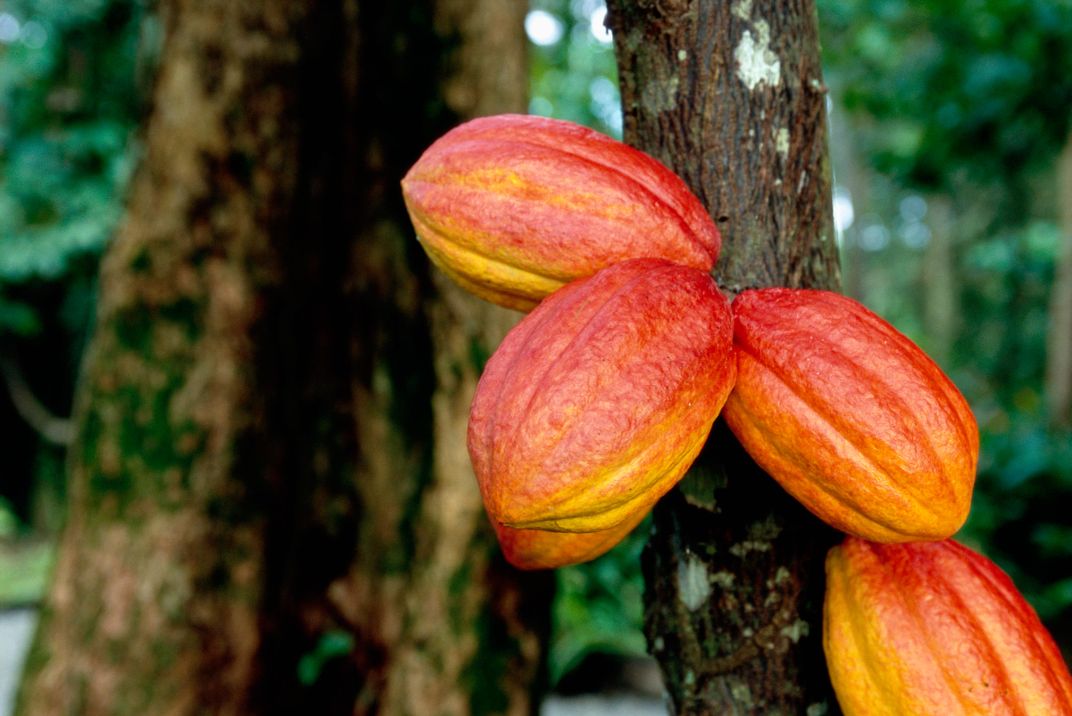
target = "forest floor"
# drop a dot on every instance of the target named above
(16, 630)
(24, 567)
(603, 705)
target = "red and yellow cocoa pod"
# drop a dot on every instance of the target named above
(850, 416)
(596, 403)
(935, 629)
(513, 207)
(542, 549)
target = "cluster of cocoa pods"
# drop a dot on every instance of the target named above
(599, 400)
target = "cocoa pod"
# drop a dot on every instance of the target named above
(513, 207)
(596, 403)
(935, 629)
(542, 549)
(850, 416)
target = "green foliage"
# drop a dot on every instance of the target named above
(332, 645)
(70, 100)
(575, 78)
(599, 606)
(8, 522)
(957, 86)
(24, 569)
(1007, 278)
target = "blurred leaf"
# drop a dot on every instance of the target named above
(332, 644)
(24, 570)
(70, 99)
(17, 318)
(599, 606)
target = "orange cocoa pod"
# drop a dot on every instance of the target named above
(513, 207)
(542, 549)
(935, 629)
(850, 416)
(598, 401)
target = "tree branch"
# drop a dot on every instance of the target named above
(56, 430)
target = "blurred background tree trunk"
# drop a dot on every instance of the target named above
(731, 96)
(1059, 337)
(940, 289)
(271, 509)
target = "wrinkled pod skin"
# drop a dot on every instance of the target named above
(935, 629)
(513, 207)
(542, 549)
(598, 401)
(850, 416)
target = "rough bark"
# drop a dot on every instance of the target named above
(1059, 337)
(270, 410)
(730, 95)
(443, 624)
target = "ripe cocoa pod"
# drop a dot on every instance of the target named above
(513, 207)
(541, 549)
(598, 401)
(850, 416)
(935, 629)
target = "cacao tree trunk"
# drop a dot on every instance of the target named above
(730, 95)
(271, 507)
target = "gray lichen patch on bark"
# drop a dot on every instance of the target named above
(693, 583)
(757, 65)
(656, 97)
